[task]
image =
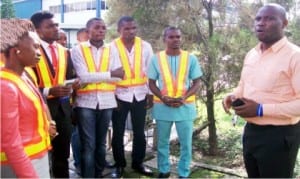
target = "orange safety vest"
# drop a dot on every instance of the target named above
(2, 60)
(41, 141)
(31, 74)
(103, 67)
(174, 87)
(134, 76)
(28, 70)
(45, 77)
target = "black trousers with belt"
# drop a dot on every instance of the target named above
(270, 151)
(138, 115)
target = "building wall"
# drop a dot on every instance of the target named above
(76, 14)
(25, 8)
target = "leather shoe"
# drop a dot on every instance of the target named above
(109, 165)
(164, 175)
(117, 172)
(142, 170)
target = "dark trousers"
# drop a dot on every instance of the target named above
(61, 145)
(138, 114)
(270, 151)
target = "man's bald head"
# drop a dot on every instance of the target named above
(277, 8)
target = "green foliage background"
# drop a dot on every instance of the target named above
(7, 9)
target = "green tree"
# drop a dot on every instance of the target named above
(7, 9)
(293, 31)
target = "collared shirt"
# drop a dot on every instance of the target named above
(104, 100)
(272, 78)
(47, 49)
(187, 111)
(137, 92)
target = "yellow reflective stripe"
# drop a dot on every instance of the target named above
(104, 64)
(104, 59)
(103, 68)
(139, 81)
(31, 73)
(190, 99)
(44, 72)
(29, 70)
(44, 143)
(88, 57)
(62, 65)
(2, 60)
(124, 58)
(167, 75)
(137, 77)
(93, 88)
(174, 87)
(182, 74)
(137, 57)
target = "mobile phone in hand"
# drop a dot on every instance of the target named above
(237, 102)
(69, 82)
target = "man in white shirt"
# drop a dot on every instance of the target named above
(96, 67)
(132, 96)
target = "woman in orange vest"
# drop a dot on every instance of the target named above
(25, 139)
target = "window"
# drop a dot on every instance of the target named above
(79, 6)
(103, 5)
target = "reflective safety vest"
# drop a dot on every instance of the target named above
(46, 78)
(135, 76)
(174, 87)
(103, 67)
(40, 141)
(29, 71)
(31, 75)
(2, 60)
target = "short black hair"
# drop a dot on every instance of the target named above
(167, 29)
(80, 31)
(124, 19)
(39, 16)
(90, 22)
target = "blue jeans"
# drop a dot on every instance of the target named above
(92, 126)
(76, 146)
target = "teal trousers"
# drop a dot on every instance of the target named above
(184, 132)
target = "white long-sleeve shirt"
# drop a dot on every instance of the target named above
(104, 100)
(139, 92)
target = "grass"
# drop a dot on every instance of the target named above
(229, 145)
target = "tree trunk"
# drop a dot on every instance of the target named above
(212, 139)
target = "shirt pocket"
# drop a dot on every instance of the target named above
(258, 77)
(282, 85)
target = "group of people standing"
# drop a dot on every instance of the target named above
(96, 83)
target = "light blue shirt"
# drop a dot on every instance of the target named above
(185, 112)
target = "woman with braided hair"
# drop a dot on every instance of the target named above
(25, 138)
